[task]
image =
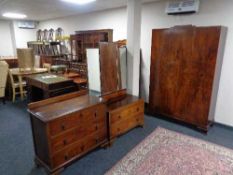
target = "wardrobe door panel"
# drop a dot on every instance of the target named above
(168, 88)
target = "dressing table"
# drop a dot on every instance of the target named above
(67, 127)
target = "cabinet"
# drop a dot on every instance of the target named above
(125, 112)
(185, 71)
(88, 39)
(124, 115)
(62, 135)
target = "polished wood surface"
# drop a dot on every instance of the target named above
(44, 86)
(61, 108)
(64, 129)
(109, 67)
(16, 71)
(183, 62)
(11, 61)
(124, 115)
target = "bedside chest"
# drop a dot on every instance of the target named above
(124, 115)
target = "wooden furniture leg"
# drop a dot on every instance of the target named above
(14, 94)
(21, 87)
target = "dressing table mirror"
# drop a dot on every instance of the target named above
(107, 68)
(107, 78)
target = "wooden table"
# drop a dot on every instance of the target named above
(20, 74)
(43, 86)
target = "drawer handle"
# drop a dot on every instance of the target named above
(96, 114)
(65, 142)
(96, 128)
(63, 127)
(137, 109)
(119, 117)
(66, 157)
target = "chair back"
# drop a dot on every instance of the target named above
(3, 77)
(26, 60)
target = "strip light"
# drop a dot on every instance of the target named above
(14, 15)
(80, 2)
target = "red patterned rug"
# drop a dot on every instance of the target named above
(166, 152)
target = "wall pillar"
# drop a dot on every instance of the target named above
(133, 45)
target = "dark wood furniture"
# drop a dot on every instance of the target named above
(12, 62)
(185, 70)
(110, 74)
(125, 112)
(67, 127)
(54, 60)
(80, 68)
(43, 86)
(88, 39)
(82, 40)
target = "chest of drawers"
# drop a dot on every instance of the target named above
(66, 129)
(124, 115)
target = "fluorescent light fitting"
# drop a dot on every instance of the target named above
(14, 15)
(80, 2)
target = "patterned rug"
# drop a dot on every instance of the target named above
(166, 152)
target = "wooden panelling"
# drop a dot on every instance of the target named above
(183, 61)
(110, 68)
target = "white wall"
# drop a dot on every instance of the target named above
(110, 19)
(6, 43)
(212, 12)
(13, 37)
(22, 36)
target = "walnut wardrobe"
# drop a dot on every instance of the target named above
(185, 71)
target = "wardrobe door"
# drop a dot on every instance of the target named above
(171, 48)
(202, 70)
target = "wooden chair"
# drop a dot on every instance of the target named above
(3, 79)
(47, 66)
(26, 59)
(15, 86)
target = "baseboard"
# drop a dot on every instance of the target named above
(223, 126)
(180, 122)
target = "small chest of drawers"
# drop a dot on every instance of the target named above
(66, 130)
(124, 115)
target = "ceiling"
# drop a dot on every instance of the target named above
(49, 9)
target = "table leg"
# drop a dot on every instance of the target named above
(21, 86)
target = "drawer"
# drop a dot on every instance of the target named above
(66, 155)
(126, 112)
(79, 148)
(65, 123)
(125, 125)
(94, 114)
(97, 112)
(63, 140)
